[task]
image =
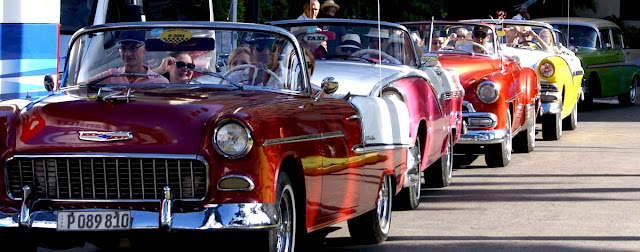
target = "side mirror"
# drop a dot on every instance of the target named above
(516, 59)
(608, 46)
(329, 86)
(48, 83)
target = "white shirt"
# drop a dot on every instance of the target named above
(519, 17)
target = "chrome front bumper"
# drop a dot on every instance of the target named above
(551, 98)
(236, 216)
(483, 137)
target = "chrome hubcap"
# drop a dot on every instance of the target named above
(383, 209)
(285, 229)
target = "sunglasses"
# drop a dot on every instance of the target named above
(129, 49)
(309, 65)
(480, 34)
(349, 49)
(183, 65)
(261, 46)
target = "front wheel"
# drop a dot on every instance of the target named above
(551, 126)
(283, 238)
(499, 155)
(439, 174)
(373, 227)
(525, 141)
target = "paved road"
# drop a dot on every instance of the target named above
(581, 193)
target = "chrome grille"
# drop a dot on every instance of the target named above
(106, 178)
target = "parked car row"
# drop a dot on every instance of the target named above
(322, 121)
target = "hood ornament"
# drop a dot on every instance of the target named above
(101, 136)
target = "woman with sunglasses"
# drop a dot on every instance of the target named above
(178, 65)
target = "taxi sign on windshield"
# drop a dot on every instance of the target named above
(315, 38)
(175, 36)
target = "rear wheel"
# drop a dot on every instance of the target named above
(571, 122)
(551, 126)
(629, 98)
(409, 198)
(439, 173)
(499, 155)
(373, 227)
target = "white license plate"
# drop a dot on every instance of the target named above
(94, 221)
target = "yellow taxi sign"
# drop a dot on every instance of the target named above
(175, 36)
(500, 33)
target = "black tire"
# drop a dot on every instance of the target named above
(409, 198)
(571, 122)
(373, 227)
(629, 98)
(525, 141)
(283, 238)
(499, 155)
(439, 173)
(551, 126)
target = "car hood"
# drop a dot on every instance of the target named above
(471, 69)
(353, 77)
(159, 122)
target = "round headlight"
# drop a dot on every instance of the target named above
(547, 69)
(232, 140)
(487, 92)
(393, 95)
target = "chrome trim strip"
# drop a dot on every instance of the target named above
(614, 64)
(353, 117)
(217, 217)
(245, 178)
(514, 97)
(302, 138)
(580, 72)
(360, 149)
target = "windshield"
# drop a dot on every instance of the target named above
(580, 36)
(534, 38)
(185, 56)
(355, 42)
(455, 38)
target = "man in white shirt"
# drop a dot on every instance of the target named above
(311, 10)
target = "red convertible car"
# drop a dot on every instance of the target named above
(147, 133)
(501, 99)
(382, 61)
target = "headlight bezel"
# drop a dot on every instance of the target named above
(488, 84)
(220, 126)
(547, 69)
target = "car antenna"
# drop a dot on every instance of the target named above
(430, 35)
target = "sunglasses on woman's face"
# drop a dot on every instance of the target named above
(183, 65)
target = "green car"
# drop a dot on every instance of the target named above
(599, 45)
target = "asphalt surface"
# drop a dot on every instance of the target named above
(580, 193)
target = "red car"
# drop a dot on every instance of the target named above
(348, 51)
(249, 149)
(501, 98)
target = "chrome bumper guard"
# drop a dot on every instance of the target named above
(235, 216)
(483, 137)
(551, 98)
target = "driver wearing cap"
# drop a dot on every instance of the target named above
(132, 51)
(480, 37)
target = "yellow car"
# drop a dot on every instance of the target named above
(536, 45)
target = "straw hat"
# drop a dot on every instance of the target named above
(373, 32)
(352, 41)
(329, 3)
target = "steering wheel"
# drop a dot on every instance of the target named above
(255, 73)
(529, 41)
(484, 49)
(383, 55)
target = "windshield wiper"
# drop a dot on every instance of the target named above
(218, 75)
(93, 82)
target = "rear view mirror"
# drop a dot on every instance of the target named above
(48, 83)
